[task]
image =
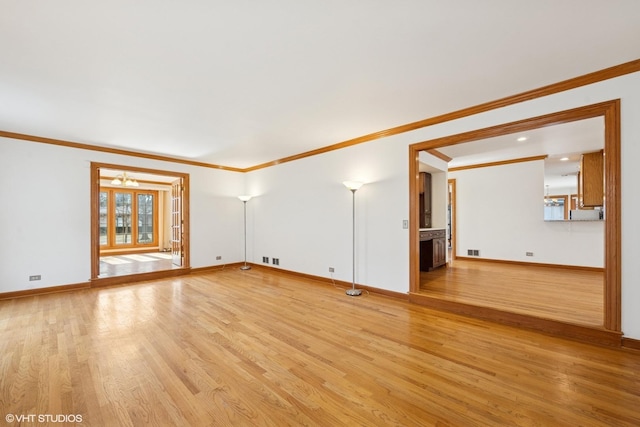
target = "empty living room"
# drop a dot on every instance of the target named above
(355, 213)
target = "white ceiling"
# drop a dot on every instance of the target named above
(246, 82)
(564, 141)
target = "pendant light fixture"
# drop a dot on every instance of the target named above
(124, 180)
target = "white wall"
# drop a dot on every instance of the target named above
(216, 216)
(46, 213)
(500, 212)
(302, 215)
(439, 197)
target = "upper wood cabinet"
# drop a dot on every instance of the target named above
(424, 185)
(591, 180)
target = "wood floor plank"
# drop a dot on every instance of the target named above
(260, 347)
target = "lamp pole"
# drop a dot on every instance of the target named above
(244, 200)
(353, 186)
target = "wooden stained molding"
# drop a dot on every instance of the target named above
(587, 79)
(500, 163)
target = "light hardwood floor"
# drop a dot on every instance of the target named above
(566, 295)
(266, 348)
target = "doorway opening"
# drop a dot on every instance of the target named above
(610, 300)
(139, 222)
(451, 219)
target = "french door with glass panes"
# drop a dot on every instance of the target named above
(177, 223)
(128, 218)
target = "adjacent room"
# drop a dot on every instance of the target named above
(139, 222)
(522, 222)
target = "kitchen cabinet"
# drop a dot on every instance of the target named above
(424, 200)
(433, 249)
(591, 180)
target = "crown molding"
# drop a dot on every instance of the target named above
(584, 80)
(498, 163)
(82, 146)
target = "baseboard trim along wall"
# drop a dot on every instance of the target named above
(212, 268)
(140, 277)
(631, 343)
(337, 283)
(533, 264)
(156, 275)
(44, 291)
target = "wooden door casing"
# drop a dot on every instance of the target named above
(177, 232)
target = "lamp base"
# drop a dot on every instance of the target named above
(245, 267)
(353, 292)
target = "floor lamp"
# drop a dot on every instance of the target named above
(244, 200)
(353, 186)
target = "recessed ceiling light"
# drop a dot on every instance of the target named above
(522, 138)
(564, 159)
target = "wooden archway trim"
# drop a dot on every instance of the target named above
(610, 111)
(95, 209)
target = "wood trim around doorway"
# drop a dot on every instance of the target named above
(95, 212)
(451, 183)
(610, 111)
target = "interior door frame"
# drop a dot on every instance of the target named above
(610, 112)
(451, 194)
(95, 209)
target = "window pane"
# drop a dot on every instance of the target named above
(104, 224)
(145, 218)
(554, 209)
(123, 218)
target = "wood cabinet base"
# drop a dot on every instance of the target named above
(433, 249)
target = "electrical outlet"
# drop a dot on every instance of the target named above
(332, 270)
(218, 258)
(276, 261)
(35, 277)
(469, 252)
(529, 253)
(476, 252)
(265, 259)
